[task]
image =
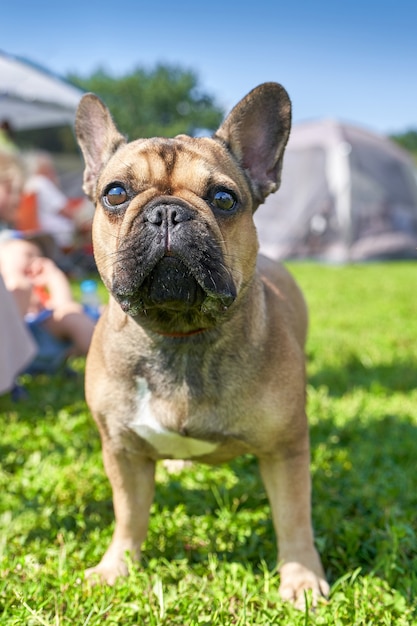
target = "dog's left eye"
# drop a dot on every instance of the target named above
(224, 200)
(115, 196)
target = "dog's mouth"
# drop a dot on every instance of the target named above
(171, 285)
(174, 300)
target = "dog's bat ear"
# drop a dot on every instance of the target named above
(97, 136)
(256, 131)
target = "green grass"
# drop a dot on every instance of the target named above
(210, 553)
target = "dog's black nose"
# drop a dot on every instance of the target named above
(169, 214)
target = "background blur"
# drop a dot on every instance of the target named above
(164, 70)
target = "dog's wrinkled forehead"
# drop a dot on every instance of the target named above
(166, 164)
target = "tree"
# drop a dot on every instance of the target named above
(161, 102)
(407, 140)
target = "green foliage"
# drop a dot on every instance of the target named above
(408, 141)
(210, 553)
(55, 140)
(164, 101)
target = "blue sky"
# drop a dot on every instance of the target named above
(355, 61)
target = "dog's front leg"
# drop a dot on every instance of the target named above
(287, 482)
(132, 478)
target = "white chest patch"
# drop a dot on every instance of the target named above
(166, 442)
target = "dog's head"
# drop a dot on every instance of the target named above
(174, 239)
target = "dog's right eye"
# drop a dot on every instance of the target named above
(115, 195)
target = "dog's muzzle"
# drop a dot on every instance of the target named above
(171, 261)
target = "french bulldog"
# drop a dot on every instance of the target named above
(200, 352)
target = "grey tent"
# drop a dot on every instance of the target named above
(346, 195)
(32, 97)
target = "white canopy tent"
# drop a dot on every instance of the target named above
(347, 195)
(33, 97)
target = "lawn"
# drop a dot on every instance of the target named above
(210, 554)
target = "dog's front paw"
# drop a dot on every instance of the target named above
(105, 573)
(297, 580)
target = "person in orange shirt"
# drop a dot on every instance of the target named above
(54, 214)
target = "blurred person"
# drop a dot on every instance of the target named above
(12, 176)
(17, 346)
(44, 298)
(53, 207)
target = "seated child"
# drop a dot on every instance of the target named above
(43, 295)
